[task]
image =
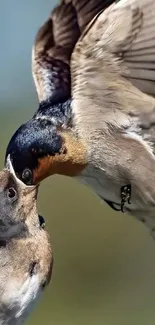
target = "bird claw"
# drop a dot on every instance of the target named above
(125, 195)
(41, 221)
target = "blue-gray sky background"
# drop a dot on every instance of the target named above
(19, 22)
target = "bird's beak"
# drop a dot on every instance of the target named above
(22, 186)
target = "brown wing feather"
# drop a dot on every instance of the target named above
(54, 45)
(140, 58)
(52, 49)
(87, 9)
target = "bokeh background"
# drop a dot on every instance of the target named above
(104, 270)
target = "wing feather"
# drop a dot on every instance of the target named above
(51, 53)
(105, 69)
(140, 58)
(87, 9)
(54, 44)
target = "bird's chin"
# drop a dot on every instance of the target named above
(46, 167)
(58, 164)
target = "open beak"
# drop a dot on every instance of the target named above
(22, 186)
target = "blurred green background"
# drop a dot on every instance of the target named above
(104, 270)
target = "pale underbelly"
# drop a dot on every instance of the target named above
(18, 300)
(101, 185)
(111, 192)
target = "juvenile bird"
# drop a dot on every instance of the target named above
(25, 251)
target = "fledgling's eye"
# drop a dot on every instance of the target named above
(27, 176)
(12, 194)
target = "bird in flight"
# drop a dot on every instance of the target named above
(96, 114)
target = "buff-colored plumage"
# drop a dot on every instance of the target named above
(25, 250)
(112, 89)
(113, 71)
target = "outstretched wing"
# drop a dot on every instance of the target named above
(100, 64)
(140, 57)
(51, 54)
(87, 9)
(54, 44)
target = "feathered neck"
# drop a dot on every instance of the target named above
(59, 80)
(57, 85)
(60, 114)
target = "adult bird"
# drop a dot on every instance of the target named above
(37, 141)
(105, 137)
(112, 64)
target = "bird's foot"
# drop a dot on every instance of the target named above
(125, 195)
(41, 221)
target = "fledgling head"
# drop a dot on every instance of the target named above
(17, 204)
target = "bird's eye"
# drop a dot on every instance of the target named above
(27, 176)
(12, 194)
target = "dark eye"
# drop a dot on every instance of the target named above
(11, 193)
(27, 176)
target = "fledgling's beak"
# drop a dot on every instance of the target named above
(18, 203)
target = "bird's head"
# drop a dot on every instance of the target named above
(39, 149)
(45, 145)
(18, 208)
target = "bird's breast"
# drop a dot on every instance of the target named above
(100, 183)
(106, 187)
(26, 266)
(18, 299)
(108, 190)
